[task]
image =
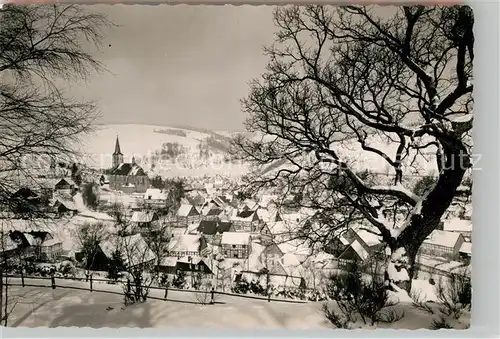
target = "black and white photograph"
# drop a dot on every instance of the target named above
(236, 167)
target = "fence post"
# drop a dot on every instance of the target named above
(269, 298)
(91, 287)
(212, 299)
(166, 293)
(53, 280)
(22, 277)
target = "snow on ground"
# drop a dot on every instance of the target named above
(45, 307)
(423, 290)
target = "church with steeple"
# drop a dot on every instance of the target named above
(126, 177)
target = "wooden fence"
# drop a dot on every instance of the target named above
(58, 282)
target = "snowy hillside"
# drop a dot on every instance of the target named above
(168, 151)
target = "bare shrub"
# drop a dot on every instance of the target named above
(338, 320)
(455, 295)
(204, 294)
(419, 303)
(440, 323)
(359, 298)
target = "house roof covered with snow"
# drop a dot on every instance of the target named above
(7, 244)
(134, 249)
(187, 210)
(466, 248)
(369, 238)
(360, 250)
(208, 227)
(184, 243)
(443, 238)
(155, 194)
(143, 216)
(245, 215)
(235, 238)
(128, 169)
(457, 225)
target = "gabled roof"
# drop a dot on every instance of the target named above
(134, 249)
(457, 225)
(245, 215)
(208, 227)
(69, 205)
(65, 181)
(466, 248)
(155, 194)
(235, 238)
(7, 244)
(128, 169)
(357, 248)
(214, 212)
(224, 226)
(443, 238)
(272, 249)
(184, 243)
(143, 216)
(185, 210)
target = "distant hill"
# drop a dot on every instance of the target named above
(164, 150)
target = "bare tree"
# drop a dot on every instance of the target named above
(89, 237)
(347, 77)
(140, 266)
(39, 46)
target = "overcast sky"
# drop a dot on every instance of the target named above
(172, 65)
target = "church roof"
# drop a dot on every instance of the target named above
(128, 169)
(117, 146)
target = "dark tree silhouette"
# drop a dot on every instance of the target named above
(39, 46)
(348, 76)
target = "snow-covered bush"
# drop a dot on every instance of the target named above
(455, 295)
(179, 280)
(358, 298)
(241, 286)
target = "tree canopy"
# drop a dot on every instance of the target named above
(348, 88)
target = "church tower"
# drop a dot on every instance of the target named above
(117, 155)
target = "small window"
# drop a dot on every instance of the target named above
(234, 246)
(235, 255)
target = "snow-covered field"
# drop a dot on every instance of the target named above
(142, 141)
(46, 307)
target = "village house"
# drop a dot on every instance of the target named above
(66, 185)
(466, 251)
(213, 213)
(212, 230)
(65, 207)
(270, 257)
(187, 214)
(194, 264)
(126, 177)
(134, 250)
(443, 244)
(145, 221)
(39, 245)
(8, 247)
(51, 250)
(246, 221)
(236, 245)
(155, 198)
(186, 245)
(462, 226)
(356, 251)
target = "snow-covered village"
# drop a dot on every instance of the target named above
(339, 196)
